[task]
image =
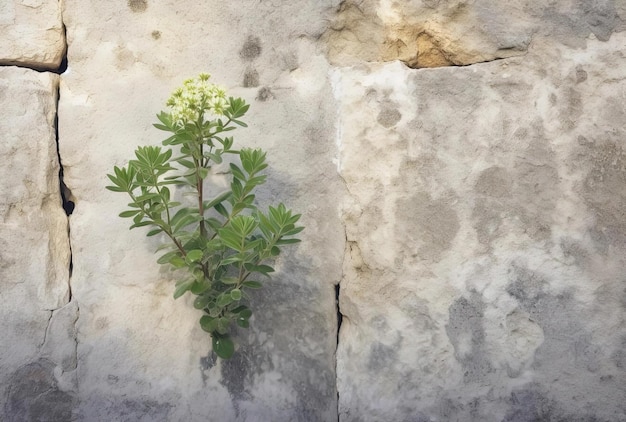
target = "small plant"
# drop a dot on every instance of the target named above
(219, 245)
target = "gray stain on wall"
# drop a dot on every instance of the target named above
(432, 222)
(251, 48)
(34, 395)
(138, 6)
(467, 335)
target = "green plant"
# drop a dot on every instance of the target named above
(216, 245)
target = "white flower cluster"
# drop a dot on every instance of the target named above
(195, 98)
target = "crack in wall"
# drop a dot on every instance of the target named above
(68, 203)
(45, 333)
(339, 321)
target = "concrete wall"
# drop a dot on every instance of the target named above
(460, 169)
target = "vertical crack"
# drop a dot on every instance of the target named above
(339, 321)
(68, 201)
(339, 314)
(339, 318)
(45, 334)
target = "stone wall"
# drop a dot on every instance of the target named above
(460, 169)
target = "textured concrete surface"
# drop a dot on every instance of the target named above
(485, 256)
(469, 216)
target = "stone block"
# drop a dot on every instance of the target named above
(32, 33)
(484, 265)
(34, 247)
(140, 352)
(433, 33)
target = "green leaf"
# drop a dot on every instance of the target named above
(257, 180)
(203, 172)
(246, 313)
(229, 280)
(240, 206)
(131, 213)
(187, 163)
(193, 256)
(251, 284)
(218, 199)
(224, 299)
(208, 323)
(165, 194)
(164, 259)
(201, 301)
(235, 294)
(154, 232)
(221, 209)
(230, 238)
(223, 346)
(243, 322)
(293, 231)
(236, 171)
(115, 189)
(217, 158)
(238, 309)
(231, 259)
(182, 287)
(200, 287)
(287, 241)
(147, 197)
(166, 119)
(178, 262)
(263, 269)
(213, 223)
(140, 224)
(222, 325)
(180, 214)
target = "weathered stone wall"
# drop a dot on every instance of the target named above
(460, 169)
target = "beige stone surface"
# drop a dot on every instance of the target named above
(434, 33)
(460, 169)
(34, 248)
(32, 33)
(485, 257)
(140, 352)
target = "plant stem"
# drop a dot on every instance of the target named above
(199, 187)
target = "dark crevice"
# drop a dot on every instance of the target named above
(63, 66)
(67, 199)
(33, 67)
(339, 321)
(339, 315)
(68, 202)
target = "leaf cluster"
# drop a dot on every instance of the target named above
(224, 245)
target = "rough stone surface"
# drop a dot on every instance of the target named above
(472, 213)
(34, 248)
(486, 247)
(141, 354)
(32, 33)
(434, 33)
